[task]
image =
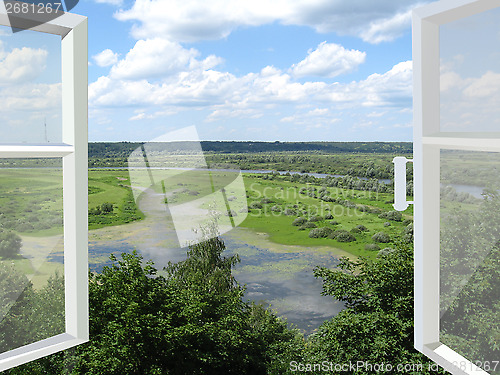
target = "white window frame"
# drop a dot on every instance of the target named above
(73, 150)
(428, 140)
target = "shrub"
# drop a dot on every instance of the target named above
(231, 213)
(25, 227)
(385, 251)
(10, 244)
(392, 215)
(255, 205)
(276, 208)
(381, 237)
(266, 200)
(372, 247)
(345, 237)
(334, 222)
(299, 221)
(309, 225)
(362, 228)
(322, 232)
(315, 218)
(407, 222)
(289, 212)
(334, 234)
(387, 224)
(328, 217)
(408, 229)
(355, 230)
(106, 208)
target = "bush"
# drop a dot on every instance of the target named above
(392, 215)
(10, 244)
(328, 217)
(355, 230)
(289, 212)
(362, 228)
(334, 222)
(407, 222)
(381, 237)
(309, 225)
(345, 237)
(372, 247)
(387, 224)
(334, 234)
(408, 229)
(276, 208)
(255, 205)
(106, 208)
(322, 232)
(385, 251)
(299, 221)
(266, 200)
(231, 213)
(315, 218)
(25, 227)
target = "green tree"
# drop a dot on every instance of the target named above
(10, 244)
(377, 324)
(189, 320)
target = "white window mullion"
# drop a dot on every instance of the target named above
(35, 151)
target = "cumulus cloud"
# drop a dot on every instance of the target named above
(194, 20)
(110, 2)
(21, 65)
(30, 97)
(157, 57)
(252, 95)
(483, 87)
(106, 58)
(387, 29)
(328, 60)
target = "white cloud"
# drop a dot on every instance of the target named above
(30, 97)
(106, 58)
(194, 20)
(328, 60)
(21, 65)
(110, 2)
(484, 87)
(388, 29)
(157, 57)
(252, 95)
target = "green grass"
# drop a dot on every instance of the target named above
(112, 186)
(288, 195)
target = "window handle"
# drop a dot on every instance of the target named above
(400, 202)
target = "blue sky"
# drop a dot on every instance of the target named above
(288, 70)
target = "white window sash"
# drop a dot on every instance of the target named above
(73, 30)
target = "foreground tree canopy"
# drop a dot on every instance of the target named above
(191, 318)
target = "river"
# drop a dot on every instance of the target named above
(277, 275)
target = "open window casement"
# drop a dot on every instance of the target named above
(456, 57)
(43, 185)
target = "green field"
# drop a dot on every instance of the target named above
(356, 208)
(31, 206)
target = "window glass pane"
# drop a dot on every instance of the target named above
(470, 255)
(30, 87)
(470, 74)
(31, 251)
